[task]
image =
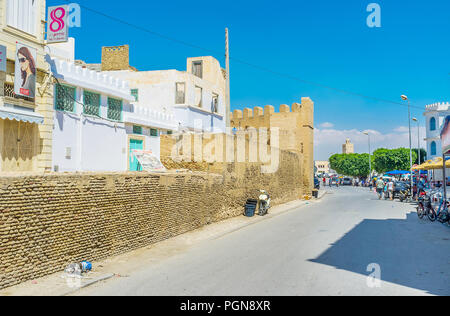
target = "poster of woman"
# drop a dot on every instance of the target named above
(25, 75)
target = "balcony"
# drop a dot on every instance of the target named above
(10, 97)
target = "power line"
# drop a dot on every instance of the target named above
(291, 77)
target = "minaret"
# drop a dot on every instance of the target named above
(348, 147)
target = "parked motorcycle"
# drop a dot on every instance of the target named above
(264, 203)
(404, 194)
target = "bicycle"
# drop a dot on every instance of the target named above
(425, 207)
(442, 214)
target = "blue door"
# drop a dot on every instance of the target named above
(134, 163)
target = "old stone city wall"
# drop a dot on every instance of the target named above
(49, 221)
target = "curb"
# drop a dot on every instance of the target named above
(267, 217)
(320, 197)
(89, 283)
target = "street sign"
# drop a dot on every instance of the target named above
(2, 58)
(57, 26)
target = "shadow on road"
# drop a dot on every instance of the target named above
(411, 252)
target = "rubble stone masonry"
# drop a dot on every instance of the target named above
(49, 221)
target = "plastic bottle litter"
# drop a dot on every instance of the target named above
(86, 266)
(73, 269)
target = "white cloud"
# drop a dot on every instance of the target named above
(326, 125)
(402, 129)
(329, 141)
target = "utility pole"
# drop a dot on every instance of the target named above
(405, 98)
(370, 162)
(227, 92)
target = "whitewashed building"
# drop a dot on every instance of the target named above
(435, 115)
(96, 126)
(195, 97)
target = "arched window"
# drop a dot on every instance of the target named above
(433, 149)
(432, 124)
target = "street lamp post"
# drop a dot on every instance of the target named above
(370, 162)
(418, 152)
(405, 98)
(418, 138)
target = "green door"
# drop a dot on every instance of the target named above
(134, 163)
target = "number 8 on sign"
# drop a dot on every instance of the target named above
(57, 28)
(57, 19)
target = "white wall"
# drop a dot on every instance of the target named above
(95, 144)
(65, 136)
(103, 145)
(157, 91)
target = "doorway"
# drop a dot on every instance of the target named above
(137, 144)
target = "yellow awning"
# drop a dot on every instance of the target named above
(433, 164)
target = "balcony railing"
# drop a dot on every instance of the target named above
(9, 92)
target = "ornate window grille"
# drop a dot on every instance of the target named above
(9, 92)
(153, 132)
(137, 129)
(65, 98)
(114, 109)
(135, 94)
(91, 103)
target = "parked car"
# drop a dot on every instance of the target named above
(334, 181)
(347, 181)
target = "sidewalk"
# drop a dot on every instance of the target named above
(123, 265)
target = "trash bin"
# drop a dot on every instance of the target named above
(315, 193)
(250, 207)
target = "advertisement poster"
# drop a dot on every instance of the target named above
(445, 137)
(148, 161)
(2, 58)
(25, 75)
(57, 26)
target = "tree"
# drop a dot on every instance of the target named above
(392, 159)
(354, 165)
(423, 156)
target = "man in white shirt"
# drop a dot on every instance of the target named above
(391, 189)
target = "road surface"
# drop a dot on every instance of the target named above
(326, 248)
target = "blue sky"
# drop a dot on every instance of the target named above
(324, 41)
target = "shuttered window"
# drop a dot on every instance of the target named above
(180, 93)
(21, 14)
(135, 94)
(197, 69)
(137, 129)
(153, 132)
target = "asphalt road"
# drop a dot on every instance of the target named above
(320, 249)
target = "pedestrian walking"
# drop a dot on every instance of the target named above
(391, 189)
(380, 187)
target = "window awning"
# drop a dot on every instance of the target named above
(20, 114)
